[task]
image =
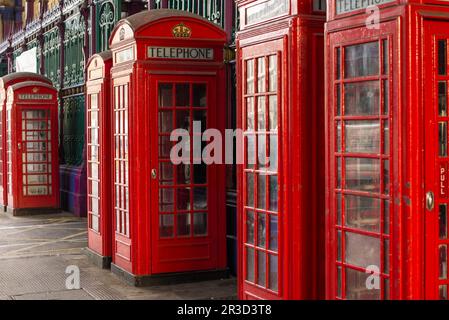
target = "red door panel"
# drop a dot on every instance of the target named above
(183, 198)
(437, 162)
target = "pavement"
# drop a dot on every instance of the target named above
(36, 252)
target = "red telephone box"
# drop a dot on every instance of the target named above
(99, 158)
(5, 82)
(280, 109)
(168, 73)
(387, 95)
(32, 148)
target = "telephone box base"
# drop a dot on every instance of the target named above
(169, 278)
(97, 259)
(32, 211)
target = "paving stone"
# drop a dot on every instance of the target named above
(55, 295)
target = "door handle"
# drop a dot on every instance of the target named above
(153, 173)
(430, 201)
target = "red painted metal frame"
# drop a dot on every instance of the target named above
(98, 83)
(297, 38)
(404, 23)
(16, 104)
(5, 82)
(133, 249)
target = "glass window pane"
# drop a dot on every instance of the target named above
(387, 177)
(362, 136)
(362, 251)
(273, 276)
(339, 245)
(443, 292)
(261, 114)
(362, 98)
(183, 174)
(165, 95)
(183, 119)
(443, 261)
(386, 150)
(165, 146)
(250, 76)
(166, 200)
(250, 227)
(386, 217)
(273, 243)
(182, 95)
(273, 72)
(386, 256)
(362, 213)
(273, 156)
(166, 173)
(250, 114)
(261, 192)
(250, 190)
(338, 173)
(442, 57)
(273, 180)
(166, 225)
(338, 99)
(386, 65)
(262, 268)
(261, 75)
(273, 109)
(200, 116)
(443, 226)
(338, 195)
(261, 230)
(356, 288)
(442, 134)
(363, 174)
(337, 63)
(339, 282)
(442, 98)
(200, 198)
(199, 95)
(183, 199)
(250, 264)
(362, 60)
(165, 121)
(262, 151)
(183, 225)
(338, 141)
(251, 151)
(200, 224)
(200, 173)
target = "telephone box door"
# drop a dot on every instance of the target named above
(37, 153)
(183, 200)
(437, 162)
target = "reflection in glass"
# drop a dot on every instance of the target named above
(273, 157)
(261, 230)
(200, 198)
(338, 195)
(386, 64)
(442, 98)
(362, 60)
(362, 213)
(442, 57)
(199, 95)
(165, 121)
(386, 217)
(363, 174)
(337, 63)
(166, 225)
(250, 113)
(362, 98)
(386, 125)
(273, 72)
(261, 75)
(183, 119)
(443, 226)
(250, 264)
(273, 276)
(338, 142)
(183, 225)
(183, 173)
(386, 256)
(262, 151)
(200, 224)
(362, 136)
(338, 173)
(166, 200)
(443, 292)
(250, 227)
(250, 76)
(387, 177)
(386, 88)
(442, 137)
(200, 173)
(166, 173)
(261, 114)
(165, 95)
(251, 151)
(182, 95)
(200, 116)
(273, 109)
(261, 192)
(262, 268)
(443, 261)
(273, 242)
(183, 199)
(339, 245)
(273, 180)
(339, 282)
(356, 288)
(362, 251)
(250, 190)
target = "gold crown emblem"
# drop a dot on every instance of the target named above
(35, 90)
(182, 31)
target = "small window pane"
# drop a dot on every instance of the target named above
(443, 226)
(339, 282)
(362, 251)
(387, 177)
(386, 217)
(363, 174)
(273, 245)
(387, 256)
(261, 192)
(166, 173)
(250, 227)
(273, 180)
(362, 136)
(273, 71)
(356, 288)
(363, 213)
(183, 119)
(442, 57)
(250, 264)
(273, 109)
(183, 174)
(166, 226)
(166, 200)
(165, 121)
(443, 292)
(250, 114)
(338, 173)
(362, 60)
(442, 98)
(200, 173)
(273, 261)
(337, 63)
(250, 190)
(339, 245)
(200, 198)
(338, 195)
(338, 99)
(442, 134)
(386, 125)
(338, 142)
(199, 95)
(261, 113)
(250, 76)
(273, 157)
(261, 230)
(386, 65)
(262, 268)
(183, 225)
(443, 261)
(182, 95)
(262, 151)
(251, 151)
(165, 95)
(362, 98)
(261, 75)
